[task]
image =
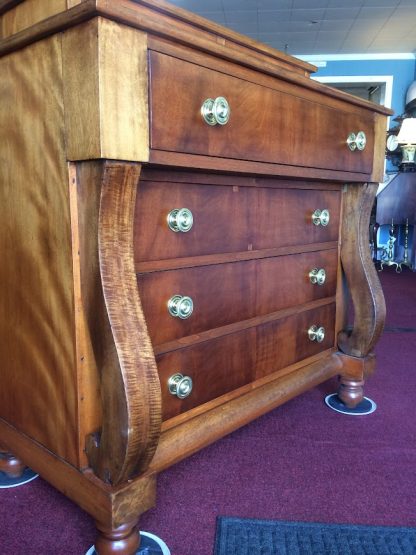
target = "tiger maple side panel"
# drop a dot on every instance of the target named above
(118, 381)
(38, 392)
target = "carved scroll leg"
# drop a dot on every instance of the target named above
(120, 451)
(130, 387)
(366, 293)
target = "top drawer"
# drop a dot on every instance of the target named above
(265, 124)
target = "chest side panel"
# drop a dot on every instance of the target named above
(36, 298)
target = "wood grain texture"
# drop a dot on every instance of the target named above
(84, 199)
(228, 219)
(280, 137)
(28, 13)
(342, 295)
(154, 173)
(37, 351)
(8, 5)
(194, 162)
(285, 61)
(379, 155)
(172, 21)
(208, 335)
(121, 539)
(309, 89)
(225, 258)
(46, 27)
(79, 366)
(241, 391)
(231, 361)
(352, 377)
(361, 275)
(232, 292)
(129, 382)
(226, 418)
(82, 91)
(73, 3)
(185, 28)
(108, 505)
(106, 116)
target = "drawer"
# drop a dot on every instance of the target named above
(221, 365)
(226, 293)
(265, 124)
(229, 219)
(219, 220)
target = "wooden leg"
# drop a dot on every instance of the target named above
(350, 391)
(352, 378)
(123, 540)
(10, 465)
(117, 529)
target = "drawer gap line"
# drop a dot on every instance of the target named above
(222, 331)
(224, 258)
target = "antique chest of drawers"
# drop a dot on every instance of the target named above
(185, 214)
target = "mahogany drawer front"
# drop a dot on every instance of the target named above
(265, 124)
(221, 365)
(284, 217)
(226, 293)
(229, 219)
(220, 220)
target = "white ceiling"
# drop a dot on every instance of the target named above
(317, 26)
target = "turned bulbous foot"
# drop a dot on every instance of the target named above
(11, 465)
(123, 540)
(351, 391)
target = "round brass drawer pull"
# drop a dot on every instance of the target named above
(180, 306)
(180, 219)
(317, 276)
(180, 385)
(316, 333)
(321, 217)
(357, 141)
(216, 111)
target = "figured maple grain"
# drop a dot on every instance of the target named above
(37, 355)
(78, 367)
(130, 387)
(84, 199)
(360, 273)
(28, 13)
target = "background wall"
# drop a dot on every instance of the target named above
(402, 67)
